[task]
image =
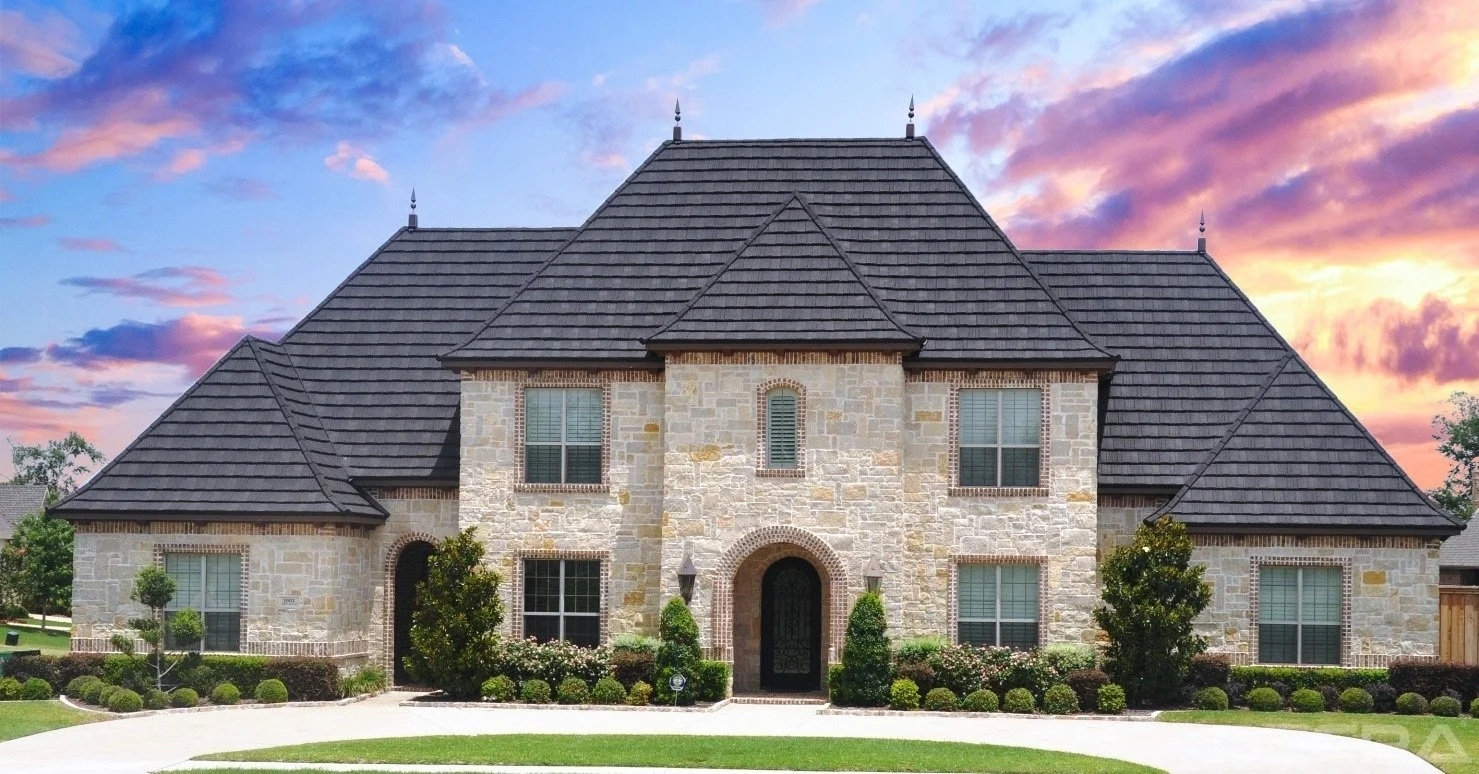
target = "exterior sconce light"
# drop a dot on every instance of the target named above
(873, 576)
(687, 574)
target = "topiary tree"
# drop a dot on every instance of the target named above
(679, 653)
(155, 589)
(864, 681)
(458, 610)
(1152, 593)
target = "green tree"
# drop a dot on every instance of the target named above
(56, 465)
(1152, 593)
(43, 545)
(11, 598)
(865, 679)
(155, 589)
(1457, 434)
(679, 653)
(453, 627)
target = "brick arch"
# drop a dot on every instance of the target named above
(392, 556)
(832, 567)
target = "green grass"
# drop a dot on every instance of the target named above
(23, 718)
(1451, 744)
(58, 641)
(715, 752)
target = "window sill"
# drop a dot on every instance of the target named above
(998, 491)
(587, 488)
(780, 472)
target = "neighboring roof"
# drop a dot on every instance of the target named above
(1461, 550)
(18, 501)
(788, 284)
(934, 259)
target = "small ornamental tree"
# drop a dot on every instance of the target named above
(43, 545)
(453, 640)
(155, 589)
(679, 652)
(865, 655)
(1152, 593)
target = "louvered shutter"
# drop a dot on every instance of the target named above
(780, 428)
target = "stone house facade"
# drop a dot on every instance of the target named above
(804, 367)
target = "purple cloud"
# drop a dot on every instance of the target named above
(194, 341)
(90, 245)
(170, 286)
(1433, 341)
(29, 221)
(240, 189)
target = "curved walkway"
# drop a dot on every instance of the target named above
(144, 744)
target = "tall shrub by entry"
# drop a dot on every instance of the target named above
(679, 652)
(458, 609)
(865, 678)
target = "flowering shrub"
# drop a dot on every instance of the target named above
(965, 669)
(551, 662)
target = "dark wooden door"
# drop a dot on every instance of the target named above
(410, 569)
(791, 627)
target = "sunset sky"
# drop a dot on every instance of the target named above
(174, 176)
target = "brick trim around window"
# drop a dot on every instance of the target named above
(599, 381)
(1255, 563)
(516, 586)
(762, 450)
(243, 551)
(956, 560)
(1044, 449)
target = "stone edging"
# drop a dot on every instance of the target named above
(829, 710)
(218, 707)
(578, 707)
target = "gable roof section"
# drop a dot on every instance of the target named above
(788, 284)
(243, 441)
(18, 501)
(913, 232)
(1461, 550)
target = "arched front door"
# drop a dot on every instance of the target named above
(791, 626)
(410, 569)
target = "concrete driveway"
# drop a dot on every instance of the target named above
(143, 744)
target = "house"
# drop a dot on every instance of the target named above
(800, 367)
(18, 501)
(1458, 560)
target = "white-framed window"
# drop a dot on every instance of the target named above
(782, 428)
(1000, 437)
(210, 584)
(997, 604)
(563, 435)
(562, 600)
(1299, 609)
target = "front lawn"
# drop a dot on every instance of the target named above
(1451, 744)
(49, 641)
(714, 752)
(23, 718)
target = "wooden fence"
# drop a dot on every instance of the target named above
(1458, 624)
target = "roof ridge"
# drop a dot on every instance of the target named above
(852, 267)
(289, 414)
(1071, 251)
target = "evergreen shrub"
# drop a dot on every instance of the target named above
(903, 694)
(1060, 700)
(941, 700)
(1019, 700)
(981, 700)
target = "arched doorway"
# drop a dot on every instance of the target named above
(410, 569)
(791, 626)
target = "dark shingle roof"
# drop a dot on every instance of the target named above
(915, 234)
(788, 283)
(1461, 550)
(18, 501)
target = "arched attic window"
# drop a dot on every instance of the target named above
(782, 428)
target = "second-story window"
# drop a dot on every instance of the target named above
(1000, 437)
(781, 422)
(562, 435)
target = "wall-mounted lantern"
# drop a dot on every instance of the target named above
(873, 576)
(687, 574)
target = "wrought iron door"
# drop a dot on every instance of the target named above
(791, 627)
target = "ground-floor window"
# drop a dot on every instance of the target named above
(211, 584)
(1299, 614)
(997, 604)
(562, 600)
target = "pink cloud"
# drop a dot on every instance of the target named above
(349, 160)
(179, 286)
(779, 13)
(87, 244)
(194, 341)
(135, 125)
(29, 221)
(1434, 341)
(46, 48)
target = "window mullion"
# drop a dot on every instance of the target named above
(1299, 615)
(561, 606)
(998, 596)
(1001, 397)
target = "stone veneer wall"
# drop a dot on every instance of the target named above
(416, 514)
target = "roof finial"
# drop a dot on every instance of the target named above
(1202, 232)
(411, 221)
(677, 121)
(909, 127)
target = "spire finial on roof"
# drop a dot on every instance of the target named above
(909, 127)
(411, 221)
(1202, 233)
(677, 121)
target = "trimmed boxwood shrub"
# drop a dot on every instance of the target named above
(1412, 704)
(499, 688)
(271, 692)
(1305, 677)
(679, 652)
(1265, 699)
(941, 700)
(572, 690)
(1307, 700)
(1208, 670)
(1446, 707)
(226, 694)
(184, 697)
(640, 694)
(306, 679)
(608, 690)
(712, 681)
(1332, 697)
(1086, 683)
(1431, 678)
(90, 692)
(1356, 701)
(1060, 700)
(74, 688)
(156, 699)
(981, 700)
(1212, 698)
(1474, 708)
(903, 695)
(1384, 697)
(10, 689)
(124, 700)
(1019, 700)
(105, 693)
(35, 689)
(632, 666)
(535, 692)
(1111, 699)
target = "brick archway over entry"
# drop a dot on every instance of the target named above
(387, 633)
(745, 563)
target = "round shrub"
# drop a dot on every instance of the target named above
(1210, 699)
(124, 700)
(1237, 694)
(1412, 704)
(535, 692)
(640, 694)
(1307, 700)
(155, 699)
(10, 689)
(1383, 697)
(226, 694)
(1019, 700)
(941, 700)
(499, 688)
(74, 688)
(573, 690)
(35, 689)
(90, 691)
(1474, 708)
(608, 690)
(1280, 687)
(1266, 699)
(271, 692)
(1060, 700)
(184, 697)
(1446, 707)
(1356, 701)
(105, 693)
(1111, 699)
(1332, 697)
(1208, 670)
(921, 673)
(1086, 683)
(981, 700)
(903, 695)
